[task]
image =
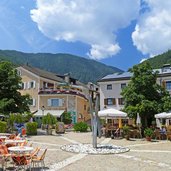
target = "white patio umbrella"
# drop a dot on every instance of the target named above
(158, 124)
(138, 121)
(163, 115)
(111, 113)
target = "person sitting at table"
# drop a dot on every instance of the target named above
(163, 132)
(103, 129)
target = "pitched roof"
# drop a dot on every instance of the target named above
(117, 76)
(43, 73)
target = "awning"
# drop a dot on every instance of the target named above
(56, 113)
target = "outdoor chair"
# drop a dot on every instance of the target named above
(157, 134)
(4, 155)
(21, 161)
(12, 136)
(34, 153)
(117, 133)
(168, 135)
(39, 160)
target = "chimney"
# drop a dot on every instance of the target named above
(67, 78)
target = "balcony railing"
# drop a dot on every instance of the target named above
(57, 91)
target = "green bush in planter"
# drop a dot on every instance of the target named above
(67, 119)
(3, 126)
(49, 119)
(148, 132)
(31, 128)
(81, 126)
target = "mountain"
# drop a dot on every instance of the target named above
(159, 60)
(85, 70)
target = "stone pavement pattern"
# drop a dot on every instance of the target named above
(143, 155)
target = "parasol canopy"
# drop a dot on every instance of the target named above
(112, 113)
(138, 121)
(163, 115)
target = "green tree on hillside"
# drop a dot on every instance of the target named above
(144, 96)
(11, 99)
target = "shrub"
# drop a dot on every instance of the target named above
(31, 128)
(19, 118)
(49, 119)
(81, 126)
(3, 126)
(148, 132)
(67, 119)
(126, 129)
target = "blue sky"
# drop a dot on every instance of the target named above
(119, 33)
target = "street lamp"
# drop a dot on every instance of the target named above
(43, 108)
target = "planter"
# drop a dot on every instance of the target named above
(49, 131)
(148, 132)
(127, 137)
(43, 127)
(148, 138)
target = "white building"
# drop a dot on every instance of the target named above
(110, 86)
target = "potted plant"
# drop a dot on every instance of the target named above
(49, 120)
(148, 132)
(126, 130)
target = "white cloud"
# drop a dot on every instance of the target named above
(90, 21)
(143, 59)
(152, 33)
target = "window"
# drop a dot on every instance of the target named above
(80, 116)
(85, 107)
(109, 101)
(55, 102)
(21, 86)
(31, 84)
(168, 85)
(123, 85)
(121, 101)
(19, 72)
(109, 87)
(33, 102)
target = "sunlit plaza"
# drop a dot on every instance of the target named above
(143, 155)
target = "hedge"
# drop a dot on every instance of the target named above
(81, 126)
(3, 127)
(31, 128)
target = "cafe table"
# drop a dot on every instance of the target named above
(13, 141)
(20, 149)
(3, 137)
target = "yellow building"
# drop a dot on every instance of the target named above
(52, 93)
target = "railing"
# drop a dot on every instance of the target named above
(57, 91)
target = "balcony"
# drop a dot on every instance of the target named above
(57, 91)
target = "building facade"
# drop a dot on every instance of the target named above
(110, 86)
(55, 94)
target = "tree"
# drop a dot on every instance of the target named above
(143, 95)
(67, 119)
(11, 100)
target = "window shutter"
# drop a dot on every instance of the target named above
(34, 102)
(49, 102)
(105, 101)
(25, 85)
(60, 102)
(164, 84)
(28, 85)
(34, 84)
(63, 102)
